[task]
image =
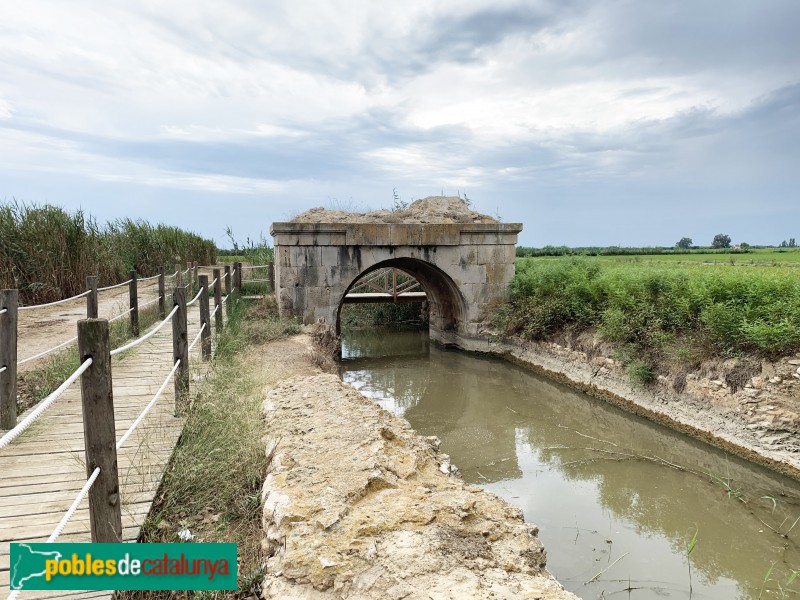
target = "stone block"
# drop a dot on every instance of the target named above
(440, 235)
(499, 273)
(405, 235)
(368, 234)
(494, 254)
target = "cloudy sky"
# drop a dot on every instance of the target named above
(590, 121)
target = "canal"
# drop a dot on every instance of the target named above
(626, 508)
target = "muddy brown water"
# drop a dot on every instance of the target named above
(618, 499)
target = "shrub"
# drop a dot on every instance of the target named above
(640, 372)
(729, 311)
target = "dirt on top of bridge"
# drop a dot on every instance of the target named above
(433, 209)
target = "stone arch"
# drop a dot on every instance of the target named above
(446, 305)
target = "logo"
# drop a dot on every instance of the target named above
(123, 566)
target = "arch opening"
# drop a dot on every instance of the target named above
(446, 306)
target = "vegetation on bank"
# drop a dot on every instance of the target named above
(212, 486)
(659, 313)
(47, 253)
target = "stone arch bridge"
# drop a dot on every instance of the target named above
(463, 269)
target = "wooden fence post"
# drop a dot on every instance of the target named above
(229, 299)
(9, 300)
(196, 272)
(133, 292)
(178, 276)
(237, 280)
(91, 299)
(161, 292)
(217, 300)
(205, 318)
(180, 349)
(271, 276)
(100, 435)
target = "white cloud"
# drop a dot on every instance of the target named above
(309, 99)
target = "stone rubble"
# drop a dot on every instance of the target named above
(433, 209)
(357, 505)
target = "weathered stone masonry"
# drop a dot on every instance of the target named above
(463, 268)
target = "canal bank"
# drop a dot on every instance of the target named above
(618, 498)
(357, 505)
(757, 419)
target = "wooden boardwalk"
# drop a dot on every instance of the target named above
(42, 471)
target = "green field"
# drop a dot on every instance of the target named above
(761, 256)
(661, 310)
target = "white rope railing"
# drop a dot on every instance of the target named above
(216, 310)
(150, 405)
(146, 336)
(199, 333)
(213, 283)
(32, 306)
(149, 302)
(74, 506)
(120, 315)
(46, 352)
(4, 368)
(12, 434)
(195, 299)
(4, 311)
(111, 287)
(151, 278)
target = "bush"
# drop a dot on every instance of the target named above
(640, 372)
(653, 307)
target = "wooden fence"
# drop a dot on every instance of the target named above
(95, 374)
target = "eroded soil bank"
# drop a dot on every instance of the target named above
(755, 416)
(357, 505)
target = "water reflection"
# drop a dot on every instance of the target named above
(601, 484)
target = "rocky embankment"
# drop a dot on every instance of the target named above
(357, 505)
(433, 209)
(750, 408)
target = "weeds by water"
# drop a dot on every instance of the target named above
(689, 549)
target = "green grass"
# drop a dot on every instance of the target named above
(759, 257)
(213, 482)
(658, 310)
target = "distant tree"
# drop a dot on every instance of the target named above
(783, 244)
(792, 243)
(721, 240)
(744, 247)
(684, 243)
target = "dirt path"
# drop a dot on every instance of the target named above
(357, 505)
(43, 328)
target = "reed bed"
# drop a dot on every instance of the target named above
(47, 253)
